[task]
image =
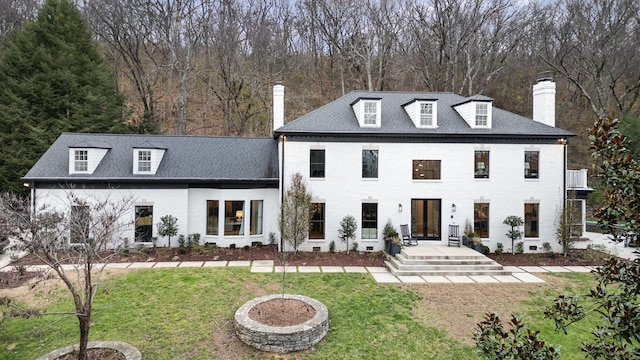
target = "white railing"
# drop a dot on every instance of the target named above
(577, 179)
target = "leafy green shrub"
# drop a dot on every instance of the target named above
(272, 238)
(246, 247)
(232, 246)
(499, 248)
(332, 246)
(354, 247)
(182, 244)
(519, 247)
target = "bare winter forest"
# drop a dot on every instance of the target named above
(208, 66)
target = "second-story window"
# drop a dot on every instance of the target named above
(370, 113)
(426, 114)
(426, 169)
(531, 164)
(481, 164)
(481, 114)
(370, 164)
(144, 160)
(81, 160)
(316, 164)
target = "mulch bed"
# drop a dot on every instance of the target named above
(576, 257)
(97, 354)
(282, 312)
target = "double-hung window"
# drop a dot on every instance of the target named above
(81, 160)
(144, 160)
(482, 112)
(481, 219)
(370, 112)
(370, 164)
(369, 221)
(317, 164)
(481, 164)
(531, 164)
(426, 114)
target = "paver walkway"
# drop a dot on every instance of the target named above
(524, 274)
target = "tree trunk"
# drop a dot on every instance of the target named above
(85, 322)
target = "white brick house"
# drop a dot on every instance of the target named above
(423, 159)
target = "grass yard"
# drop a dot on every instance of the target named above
(187, 313)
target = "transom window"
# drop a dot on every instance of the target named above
(369, 221)
(426, 114)
(481, 164)
(531, 164)
(316, 224)
(481, 114)
(144, 160)
(426, 169)
(316, 161)
(531, 220)
(481, 219)
(370, 113)
(369, 163)
(81, 160)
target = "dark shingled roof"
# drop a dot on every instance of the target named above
(187, 158)
(337, 118)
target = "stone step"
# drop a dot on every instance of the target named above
(441, 256)
(444, 272)
(444, 261)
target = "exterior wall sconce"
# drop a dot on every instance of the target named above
(453, 207)
(399, 207)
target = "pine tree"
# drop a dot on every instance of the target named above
(53, 79)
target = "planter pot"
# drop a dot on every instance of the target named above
(394, 249)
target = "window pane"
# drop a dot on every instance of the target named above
(81, 160)
(481, 114)
(426, 114)
(144, 160)
(144, 223)
(369, 163)
(530, 220)
(212, 217)
(79, 226)
(369, 221)
(256, 217)
(317, 163)
(370, 113)
(531, 164)
(234, 217)
(426, 169)
(481, 219)
(481, 164)
(316, 224)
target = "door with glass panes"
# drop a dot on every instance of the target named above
(425, 218)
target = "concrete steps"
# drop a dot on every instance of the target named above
(460, 263)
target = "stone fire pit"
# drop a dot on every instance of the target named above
(282, 339)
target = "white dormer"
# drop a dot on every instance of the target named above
(367, 111)
(85, 160)
(147, 160)
(476, 111)
(423, 113)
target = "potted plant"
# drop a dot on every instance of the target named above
(395, 246)
(389, 233)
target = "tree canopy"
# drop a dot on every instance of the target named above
(53, 79)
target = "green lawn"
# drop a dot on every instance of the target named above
(187, 314)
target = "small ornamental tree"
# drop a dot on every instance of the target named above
(168, 227)
(347, 229)
(71, 240)
(295, 213)
(566, 218)
(514, 233)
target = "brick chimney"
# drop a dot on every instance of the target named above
(544, 101)
(278, 105)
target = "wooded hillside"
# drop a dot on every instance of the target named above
(208, 66)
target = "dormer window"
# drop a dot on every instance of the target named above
(370, 113)
(144, 160)
(367, 112)
(81, 161)
(423, 113)
(426, 114)
(481, 114)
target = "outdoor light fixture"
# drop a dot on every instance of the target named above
(399, 207)
(453, 207)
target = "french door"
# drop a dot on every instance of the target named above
(425, 218)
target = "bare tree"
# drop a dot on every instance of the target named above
(13, 13)
(74, 240)
(596, 46)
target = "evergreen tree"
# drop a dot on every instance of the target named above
(53, 79)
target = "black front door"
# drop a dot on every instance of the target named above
(425, 218)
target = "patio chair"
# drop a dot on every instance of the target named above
(407, 239)
(454, 235)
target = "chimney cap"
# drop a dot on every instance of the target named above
(278, 82)
(546, 78)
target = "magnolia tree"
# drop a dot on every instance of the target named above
(76, 240)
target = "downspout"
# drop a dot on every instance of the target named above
(282, 141)
(564, 178)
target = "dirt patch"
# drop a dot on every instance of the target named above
(97, 354)
(576, 257)
(458, 308)
(282, 312)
